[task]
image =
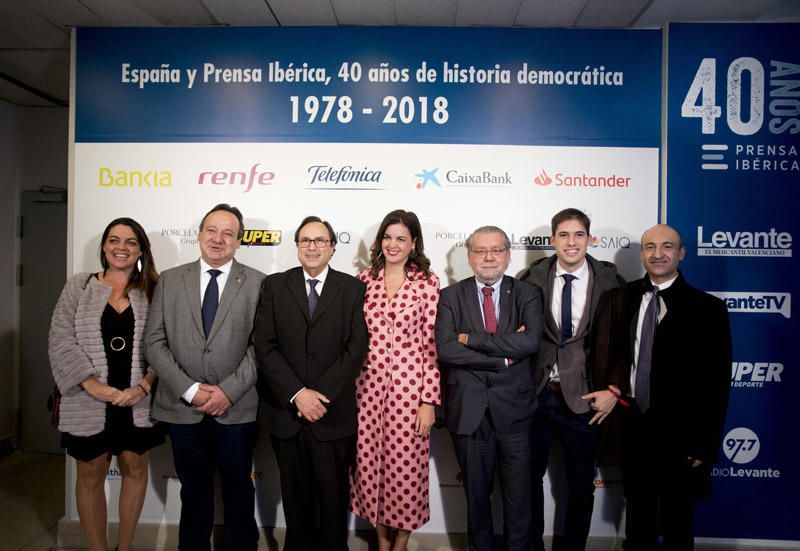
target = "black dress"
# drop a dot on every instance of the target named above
(119, 433)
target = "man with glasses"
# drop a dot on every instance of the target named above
(488, 330)
(310, 341)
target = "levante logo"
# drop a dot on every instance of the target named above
(741, 446)
(744, 243)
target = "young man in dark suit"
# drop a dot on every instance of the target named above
(663, 356)
(488, 329)
(310, 341)
(571, 282)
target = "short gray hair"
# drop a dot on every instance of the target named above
(488, 229)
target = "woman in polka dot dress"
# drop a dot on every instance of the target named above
(398, 385)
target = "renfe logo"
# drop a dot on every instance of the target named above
(242, 179)
(744, 243)
(757, 303)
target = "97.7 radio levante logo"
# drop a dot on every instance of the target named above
(750, 106)
(741, 446)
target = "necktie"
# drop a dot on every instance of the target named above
(210, 301)
(644, 364)
(489, 316)
(313, 296)
(566, 307)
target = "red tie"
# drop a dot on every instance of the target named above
(489, 318)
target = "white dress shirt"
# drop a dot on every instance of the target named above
(646, 298)
(205, 279)
(580, 290)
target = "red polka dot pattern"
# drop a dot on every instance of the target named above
(389, 484)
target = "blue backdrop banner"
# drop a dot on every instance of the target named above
(370, 85)
(733, 128)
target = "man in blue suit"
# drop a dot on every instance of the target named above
(488, 329)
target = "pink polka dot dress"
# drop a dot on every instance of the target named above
(389, 484)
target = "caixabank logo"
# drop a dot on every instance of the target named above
(741, 447)
(581, 180)
(726, 242)
(261, 238)
(469, 178)
(755, 374)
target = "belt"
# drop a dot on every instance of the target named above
(554, 386)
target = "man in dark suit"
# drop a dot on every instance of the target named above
(571, 282)
(311, 340)
(198, 342)
(488, 329)
(663, 350)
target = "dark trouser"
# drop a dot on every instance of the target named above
(478, 454)
(554, 419)
(658, 487)
(198, 451)
(315, 485)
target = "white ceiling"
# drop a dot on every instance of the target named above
(34, 34)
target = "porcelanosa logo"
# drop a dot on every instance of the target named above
(749, 302)
(186, 236)
(741, 446)
(343, 177)
(581, 180)
(743, 243)
(243, 180)
(755, 374)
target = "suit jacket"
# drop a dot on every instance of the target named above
(324, 353)
(476, 375)
(179, 352)
(690, 370)
(572, 357)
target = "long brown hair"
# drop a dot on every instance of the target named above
(416, 259)
(145, 279)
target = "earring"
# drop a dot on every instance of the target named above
(139, 264)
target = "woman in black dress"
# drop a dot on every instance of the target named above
(97, 358)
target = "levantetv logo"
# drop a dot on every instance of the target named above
(756, 303)
(744, 243)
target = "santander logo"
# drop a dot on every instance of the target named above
(543, 179)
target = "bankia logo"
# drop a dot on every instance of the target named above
(742, 446)
(751, 302)
(755, 374)
(581, 180)
(147, 178)
(244, 180)
(344, 177)
(771, 243)
(261, 238)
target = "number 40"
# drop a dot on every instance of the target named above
(704, 89)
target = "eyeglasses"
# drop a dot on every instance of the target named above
(494, 251)
(317, 241)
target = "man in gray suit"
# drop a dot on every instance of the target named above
(488, 329)
(198, 341)
(571, 282)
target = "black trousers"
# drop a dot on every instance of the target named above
(315, 486)
(198, 451)
(659, 487)
(479, 454)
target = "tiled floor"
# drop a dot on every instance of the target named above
(32, 504)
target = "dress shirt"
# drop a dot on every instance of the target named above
(580, 288)
(320, 283)
(646, 298)
(205, 279)
(495, 298)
